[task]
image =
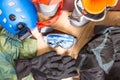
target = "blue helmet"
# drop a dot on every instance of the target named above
(18, 15)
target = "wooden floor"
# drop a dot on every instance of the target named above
(83, 34)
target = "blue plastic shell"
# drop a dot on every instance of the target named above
(13, 12)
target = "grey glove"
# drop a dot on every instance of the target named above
(48, 66)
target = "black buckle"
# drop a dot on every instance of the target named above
(24, 33)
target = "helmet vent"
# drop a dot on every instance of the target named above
(12, 17)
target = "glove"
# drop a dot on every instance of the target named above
(48, 66)
(93, 74)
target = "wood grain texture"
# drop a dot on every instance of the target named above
(83, 34)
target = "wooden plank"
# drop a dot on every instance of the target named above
(84, 33)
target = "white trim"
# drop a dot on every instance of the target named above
(48, 10)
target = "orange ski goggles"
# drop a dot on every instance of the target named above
(97, 6)
(54, 18)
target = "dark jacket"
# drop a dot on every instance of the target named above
(99, 58)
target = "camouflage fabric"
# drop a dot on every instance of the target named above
(12, 48)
